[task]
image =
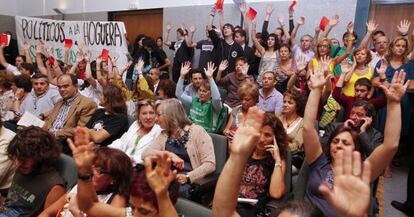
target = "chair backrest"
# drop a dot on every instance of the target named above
(220, 150)
(299, 187)
(189, 208)
(67, 168)
(288, 173)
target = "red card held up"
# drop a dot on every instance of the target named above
(51, 60)
(68, 43)
(251, 14)
(219, 4)
(292, 5)
(105, 55)
(4, 39)
(324, 22)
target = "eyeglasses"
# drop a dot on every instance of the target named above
(324, 46)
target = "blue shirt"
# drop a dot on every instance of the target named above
(272, 103)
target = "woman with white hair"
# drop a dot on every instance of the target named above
(189, 145)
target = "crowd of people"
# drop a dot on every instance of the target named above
(140, 134)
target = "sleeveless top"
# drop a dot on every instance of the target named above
(28, 193)
(349, 88)
(268, 63)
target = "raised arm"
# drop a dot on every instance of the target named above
(332, 23)
(281, 21)
(215, 93)
(26, 48)
(311, 142)
(316, 37)
(383, 154)
(189, 40)
(403, 28)
(256, 42)
(299, 22)
(228, 185)
(223, 66)
(167, 34)
(179, 90)
(3, 60)
(371, 27)
(221, 18)
(351, 40)
(79, 58)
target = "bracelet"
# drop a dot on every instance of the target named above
(84, 177)
(278, 164)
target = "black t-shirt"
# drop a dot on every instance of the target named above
(206, 53)
(182, 54)
(116, 124)
(153, 59)
(224, 51)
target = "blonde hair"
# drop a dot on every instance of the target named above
(248, 88)
(389, 54)
(322, 40)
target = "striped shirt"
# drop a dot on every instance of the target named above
(63, 113)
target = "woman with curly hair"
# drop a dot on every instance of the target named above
(264, 174)
(36, 184)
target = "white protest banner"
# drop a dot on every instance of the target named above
(93, 35)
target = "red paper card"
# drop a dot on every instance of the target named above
(324, 22)
(251, 14)
(68, 43)
(292, 5)
(219, 4)
(105, 55)
(5, 39)
(51, 60)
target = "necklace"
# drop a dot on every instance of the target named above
(289, 124)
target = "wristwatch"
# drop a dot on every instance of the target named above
(188, 178)
(278, 164)
(86, 177)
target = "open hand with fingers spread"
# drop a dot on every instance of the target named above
(185, 68)
(82, 150)
(396, 90)
(404, 27)
(350, 195)
(209, 71)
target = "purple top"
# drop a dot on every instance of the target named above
(231, 84)
(273, 103)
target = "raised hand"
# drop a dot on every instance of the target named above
(350, 195)
(79, 57)
(371, 26)
(223, 65)
(396, 90)
(98, 60)
(40, 47)
(169, 27)
(300, 21)
(87, 56)
(160, 177)
(324, 65)
(346, 67)
(193, 29)
(318, 79)
(269, 9)
(381, 70)
(26, 46)
(209, 71)
(301, 63)
(82, 149)
(246, 136)
(243, 7)
(281, 21)
(334, 20)
(185, 68)
(350, 27)
(404, 27)
(245, 69)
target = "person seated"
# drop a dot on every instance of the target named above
(349, 194)
(361, 121)
(7, 166)
(21, 67)
(248, 94)
(166, 89)
(188, 144)
(344, 138)
(111, 179)
(110, 122)
(191, 89)
(270, 100)
(141, 133)
(36, 183)
(71, 111)
(291, 117)
(363, 87)
(232, 81)
(153, 191)
(42, 98)
(206, 106)
(264, 173)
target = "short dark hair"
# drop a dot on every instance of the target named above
(339, 130)
(40, 75)
(196, 71)
(364, 82)
(168, 86)
(368, 107)
(241, 32)
(299, 99)
(34, 143)
(28, 66)
(24, 82)
(378, 32)
(229, 25)
(347, 33)
(244, 59)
